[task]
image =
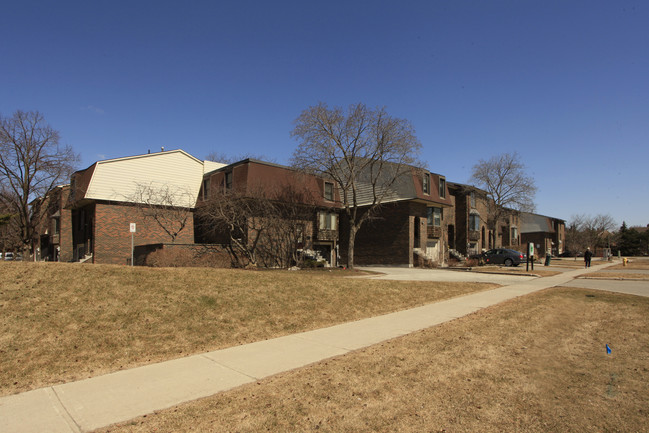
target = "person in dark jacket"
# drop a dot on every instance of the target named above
(587, 256)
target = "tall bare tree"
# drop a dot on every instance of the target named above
(32, 163)
(585, 231)
(509, 188)
(364, 151)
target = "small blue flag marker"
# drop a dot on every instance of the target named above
(608, 350)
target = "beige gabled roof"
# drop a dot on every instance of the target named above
(124, 179)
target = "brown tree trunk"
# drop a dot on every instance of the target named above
(350, 250)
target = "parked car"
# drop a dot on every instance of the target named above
(9, 255)
(503, 256)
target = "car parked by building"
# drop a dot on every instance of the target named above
(503, 256)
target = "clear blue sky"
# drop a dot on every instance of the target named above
(564, 83)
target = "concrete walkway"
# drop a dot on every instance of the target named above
(100, 401)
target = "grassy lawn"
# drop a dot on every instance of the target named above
(617, 275)
(61, 322)
(533, 364)
(634, 263)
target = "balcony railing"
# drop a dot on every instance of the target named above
(434, 232)
(326, 235)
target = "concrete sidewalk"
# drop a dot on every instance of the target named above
(100, 401)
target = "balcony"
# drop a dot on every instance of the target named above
(434, 232)
(326, 235)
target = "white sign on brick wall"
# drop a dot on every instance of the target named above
(132, 227)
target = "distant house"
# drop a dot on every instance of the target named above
(548, 234)
(107, 197)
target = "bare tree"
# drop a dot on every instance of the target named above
(585, 231)
(32, 163)
(169, 207)
(508, 188)
(259, 226)
(364, 151)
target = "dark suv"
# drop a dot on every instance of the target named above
(503, 256)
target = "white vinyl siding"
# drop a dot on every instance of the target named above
(118, 179)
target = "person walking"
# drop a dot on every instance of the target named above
(587, 256)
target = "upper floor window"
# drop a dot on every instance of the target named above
(57, 225)
(434, 216)
(514, 233)
(426, 183)
(442, 187)
(228, 180)
(329, 191)
(327, 221)
(472, 197)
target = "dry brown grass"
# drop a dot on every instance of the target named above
(634, 263)
(533, 364)
(62, 322)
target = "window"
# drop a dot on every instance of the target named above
(442, 187)
(472, 197)
(514, 233)
(329, 191)
(327, 221)
(228, 180)
(57, 225)
(426, 183)
(434, 216)
(474, 223)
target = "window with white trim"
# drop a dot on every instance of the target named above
(474, 222)
(434, 216)
(426, 183)
(327, 221)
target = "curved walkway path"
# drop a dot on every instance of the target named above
(100, 401)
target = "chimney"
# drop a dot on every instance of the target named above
(162, 149)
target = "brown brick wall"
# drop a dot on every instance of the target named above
(386, 239)
(112, 238)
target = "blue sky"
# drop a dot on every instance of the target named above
(563, 83)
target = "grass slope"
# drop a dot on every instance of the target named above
(62, 322)
(533, 364)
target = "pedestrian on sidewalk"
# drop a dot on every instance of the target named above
(587, 256)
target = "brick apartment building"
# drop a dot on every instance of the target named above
(317, 225)
(107, 197)
(548, 234)
(422, 218)
(408, 230)
(468, 231)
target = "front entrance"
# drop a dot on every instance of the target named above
(451, 236)
(327, 252)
